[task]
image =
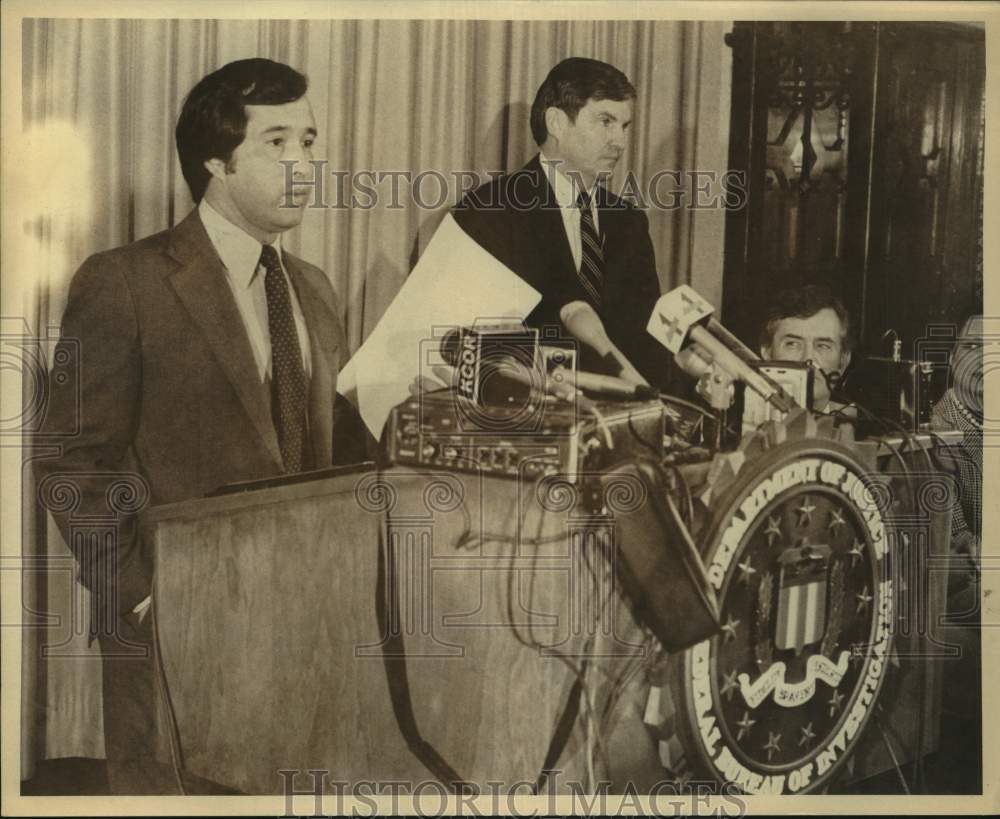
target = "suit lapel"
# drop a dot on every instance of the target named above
(200, 284)
(547, 227)
(551, 232)
(324, 348)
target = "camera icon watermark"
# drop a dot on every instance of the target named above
(962, 358)
(42, 366)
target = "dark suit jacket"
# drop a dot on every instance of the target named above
(517, 219)
(169, 391)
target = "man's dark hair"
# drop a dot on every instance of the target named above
(213, 120)
(804, 302)
(571, 84)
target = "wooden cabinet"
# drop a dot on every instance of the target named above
(862, 145)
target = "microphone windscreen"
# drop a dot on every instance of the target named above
(585, 325)
(449, 347)
(570, 309)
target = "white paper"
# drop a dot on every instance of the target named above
(454, 283)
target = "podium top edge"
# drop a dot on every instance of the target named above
(256, 495)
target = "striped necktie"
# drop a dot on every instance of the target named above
(591, 271)
(288, 380)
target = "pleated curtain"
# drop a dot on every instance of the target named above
(441, 99)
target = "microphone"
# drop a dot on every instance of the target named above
(499, 363)
(679, 320)
(585, 325)
(607, 385)
(717, 329)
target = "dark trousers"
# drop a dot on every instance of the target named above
(129, 689)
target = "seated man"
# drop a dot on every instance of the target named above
(961, 408)
(809, 324)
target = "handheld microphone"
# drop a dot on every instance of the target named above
(607, 385)
(679, 320)
(721, 332)
(586, 326)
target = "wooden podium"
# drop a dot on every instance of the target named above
(391, 627)
(407, 626)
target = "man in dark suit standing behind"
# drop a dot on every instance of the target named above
(207, 355)
(563, 232)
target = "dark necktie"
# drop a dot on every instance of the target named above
(592, 258)
(288, 380)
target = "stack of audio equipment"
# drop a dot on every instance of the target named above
(443, 430)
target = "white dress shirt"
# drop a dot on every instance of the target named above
(240, 253)
(566, 194)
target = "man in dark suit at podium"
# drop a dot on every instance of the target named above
(208, 354)
(555, 224)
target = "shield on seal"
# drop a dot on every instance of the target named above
(801, 618)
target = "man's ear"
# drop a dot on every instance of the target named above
(216, 167)
(845, 360)
(555, 121)
(765, 353)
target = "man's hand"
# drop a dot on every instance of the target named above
(694, 360)
(442, 377)
(142, 609)
(716, 388)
